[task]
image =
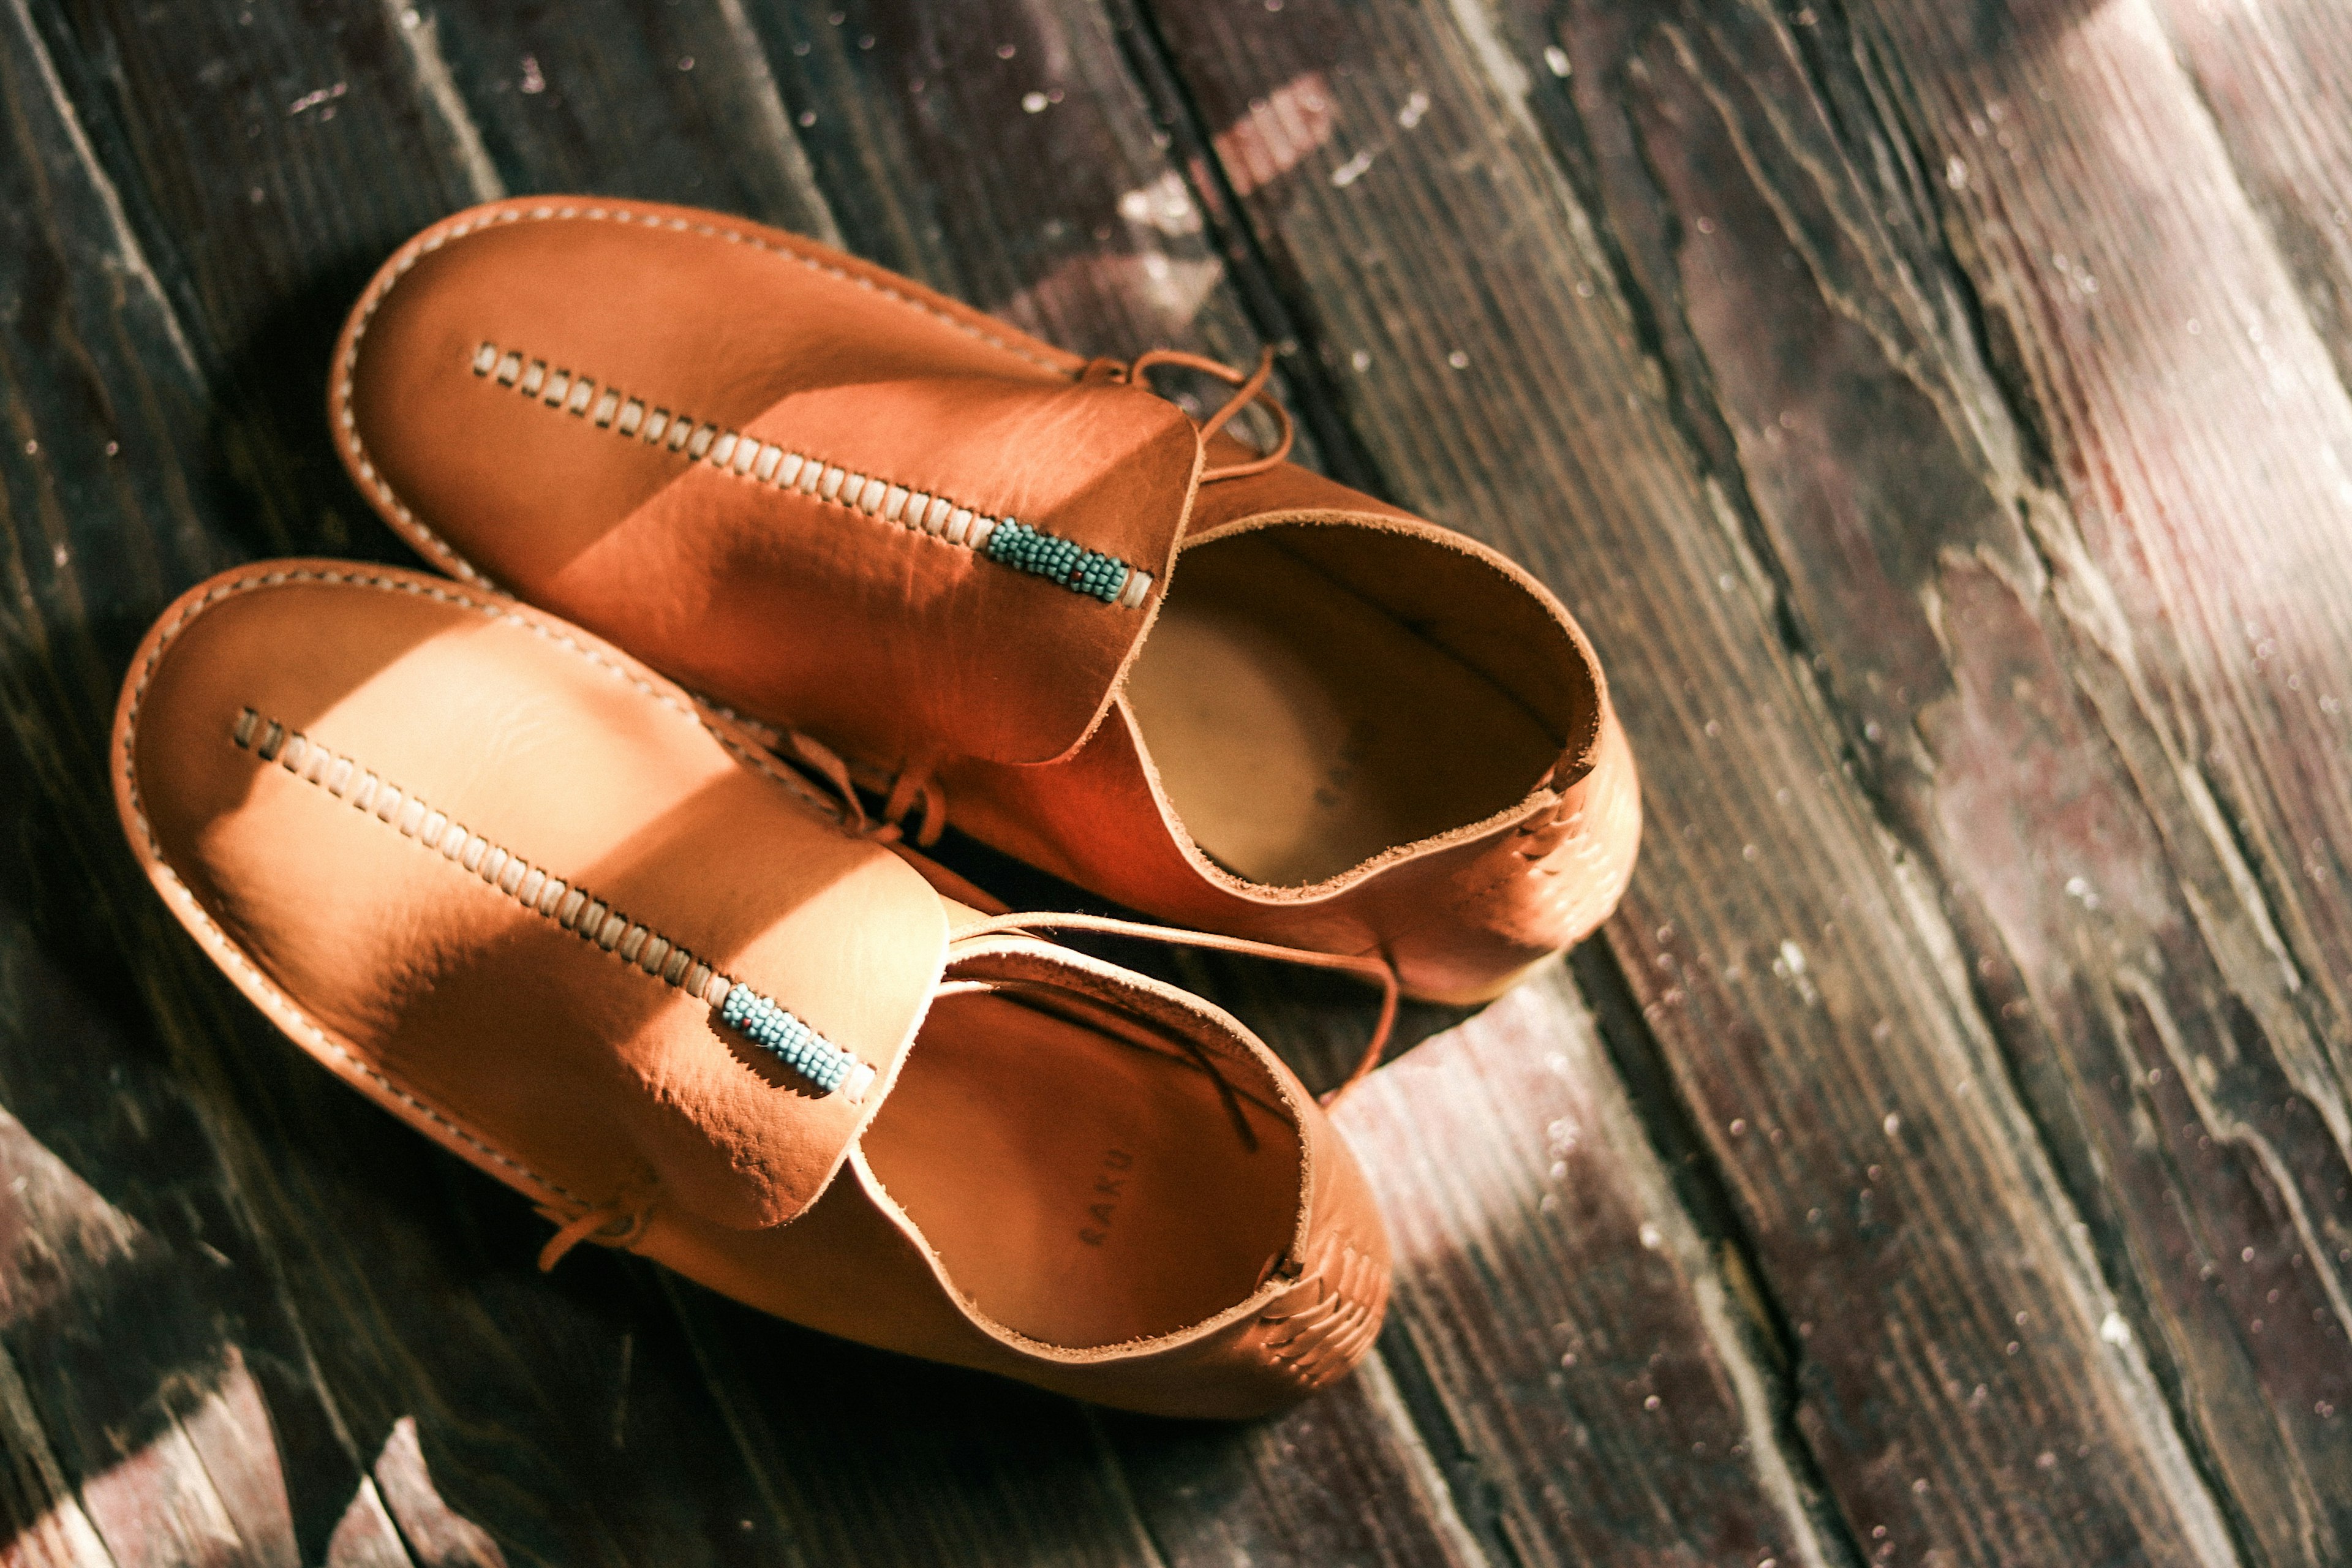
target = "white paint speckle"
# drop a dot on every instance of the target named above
(1164, 203)
(1414, 108)
(2114, 1331)
(1652, 1238)
(1354, 169)
(1032, 103)
(1556, 58)
(313, 99)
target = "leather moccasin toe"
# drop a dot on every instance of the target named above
(1011, 587)
(531, 898)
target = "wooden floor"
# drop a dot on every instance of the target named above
(1936, 413)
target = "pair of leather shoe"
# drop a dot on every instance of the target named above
(650, 934)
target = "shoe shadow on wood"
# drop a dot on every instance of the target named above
(272, 482)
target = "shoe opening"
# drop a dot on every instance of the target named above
(1089, 1174)
(1314, 694)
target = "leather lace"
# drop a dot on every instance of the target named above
(1249, 387)
(1368, 966)
(915, 785)
(617, 1222)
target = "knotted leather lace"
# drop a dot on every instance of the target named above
(617, 1222)
(915, 782)
(1249, 387)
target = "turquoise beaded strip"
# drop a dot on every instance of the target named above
(1062, 561)
(1005, 540)
(786, 1038)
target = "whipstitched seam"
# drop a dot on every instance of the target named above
(435, 239)
(570, 906)
(505, 611)
(1007, 540)
(1315, 1342)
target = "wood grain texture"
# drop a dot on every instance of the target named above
(2274, 79)
(662, 102)
(132, 1296)
(2172, 304)
(1003, 153)
(1804, 991)
(1600, 1373)
(1823, 355)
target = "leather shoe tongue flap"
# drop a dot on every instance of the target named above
(513, 884)
(952, 565)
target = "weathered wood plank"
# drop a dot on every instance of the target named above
(1570, 1364)
(1818, 342)
(2172, 308)
(266, 161)
(42, 1523)
(1004, 153)
(124, 1304)
(1342, 1481)
(1802, 990)
(664, 102)
(2274, 76)
(865, 1456)
(366, 1536)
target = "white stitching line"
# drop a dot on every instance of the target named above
(434, 239)
(765, 464)
(570, 906)
(508, 612)
(170, 633)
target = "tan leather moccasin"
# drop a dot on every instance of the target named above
(1002, 582)
(533, 900)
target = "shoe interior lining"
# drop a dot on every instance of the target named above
(1084, 1178)
(1314, 694)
